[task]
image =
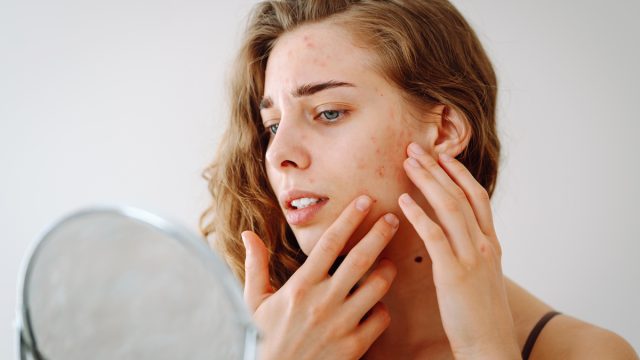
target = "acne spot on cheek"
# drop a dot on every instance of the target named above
(320, 63)
(380, 171)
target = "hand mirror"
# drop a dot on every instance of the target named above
(126, 284)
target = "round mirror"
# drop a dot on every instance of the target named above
(125, 284)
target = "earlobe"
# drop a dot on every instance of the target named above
(454, 132)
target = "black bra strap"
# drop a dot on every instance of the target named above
(533, 336)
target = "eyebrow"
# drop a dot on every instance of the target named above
(307, 90)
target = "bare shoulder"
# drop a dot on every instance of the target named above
(563, 337)
(569, 338)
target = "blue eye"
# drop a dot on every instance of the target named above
(331, 115)
(273, 128)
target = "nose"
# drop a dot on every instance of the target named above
(288, 149)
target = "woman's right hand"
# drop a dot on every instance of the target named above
(313, 316)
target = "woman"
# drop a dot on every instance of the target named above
(358, 166)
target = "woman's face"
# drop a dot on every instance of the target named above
(341, 130)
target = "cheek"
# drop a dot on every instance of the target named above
(382, 166)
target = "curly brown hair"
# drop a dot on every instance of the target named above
(425, 47)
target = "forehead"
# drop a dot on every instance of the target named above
(316, 53)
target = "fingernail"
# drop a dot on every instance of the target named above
(445, 157)
(413, 162)
(391, 220)
(405, 198)
(363, 203)
(416, 149)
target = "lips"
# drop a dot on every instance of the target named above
(299, 217)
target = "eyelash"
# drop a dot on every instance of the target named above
(341, 114)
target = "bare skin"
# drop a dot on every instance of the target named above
(455, 302)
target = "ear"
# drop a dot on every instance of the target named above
(454, 131)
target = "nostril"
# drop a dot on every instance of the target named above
(288, 163)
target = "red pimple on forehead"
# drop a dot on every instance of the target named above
(307, 41)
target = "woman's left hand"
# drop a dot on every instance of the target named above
(465, 254)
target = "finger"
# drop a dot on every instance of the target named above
(433, 167)
(370, 291)
(364, 254)
(371, 328)
(331, 243)
(441, 252)
(256, 264)
(447, 209)
(476, 193)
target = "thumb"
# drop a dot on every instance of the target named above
(256, 264)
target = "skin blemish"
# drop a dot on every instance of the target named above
(380, 171)
(361, 164)
(308, 42)
(418, 259)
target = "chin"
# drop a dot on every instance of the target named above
(307, 239)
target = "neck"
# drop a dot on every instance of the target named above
(415, 325)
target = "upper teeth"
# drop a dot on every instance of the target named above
(303, 202)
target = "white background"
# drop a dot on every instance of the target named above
(122, 102)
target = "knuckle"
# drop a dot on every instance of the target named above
(381, 230)
(354, 346)
(329, 243)
(498, 249)
(431, 165)
(450, 205)
(458, 194)
(482, 194)
(485, 249)
(381, 284)
(432, 232)
(359, 261)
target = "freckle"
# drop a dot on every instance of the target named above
(418, 259)
(380, 171)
